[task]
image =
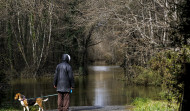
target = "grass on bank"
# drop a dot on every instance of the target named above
(144, 104)
(9, 109)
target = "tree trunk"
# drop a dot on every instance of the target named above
(165, 22)
(186, 95)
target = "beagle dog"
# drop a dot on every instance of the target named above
(25, 103)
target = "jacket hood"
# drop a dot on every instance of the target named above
(66, 57)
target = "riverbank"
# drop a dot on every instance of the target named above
(99, 108)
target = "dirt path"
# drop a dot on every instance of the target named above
(99, 108)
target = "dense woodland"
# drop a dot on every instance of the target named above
(34, 34)
(135, 34)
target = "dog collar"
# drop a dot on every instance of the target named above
(23, 98)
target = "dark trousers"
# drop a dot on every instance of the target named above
(63, 101)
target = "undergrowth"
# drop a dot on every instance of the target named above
(145, 104)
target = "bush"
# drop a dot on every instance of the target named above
(144, 104)
(165, 69)
(145, 76)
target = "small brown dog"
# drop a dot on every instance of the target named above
(25, 103)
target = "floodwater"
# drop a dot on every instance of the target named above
(100, 88)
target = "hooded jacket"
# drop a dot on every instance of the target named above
(63, 78)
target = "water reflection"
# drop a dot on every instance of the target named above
(101, 94)
(99, 88)
(102, 68)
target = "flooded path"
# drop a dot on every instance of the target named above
(100, 88)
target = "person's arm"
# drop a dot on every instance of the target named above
(55, 78)
(71, 77)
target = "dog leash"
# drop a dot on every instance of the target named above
(47, 95)
(43, 96)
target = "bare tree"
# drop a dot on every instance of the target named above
(31, 25)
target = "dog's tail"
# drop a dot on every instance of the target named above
(45, 100)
